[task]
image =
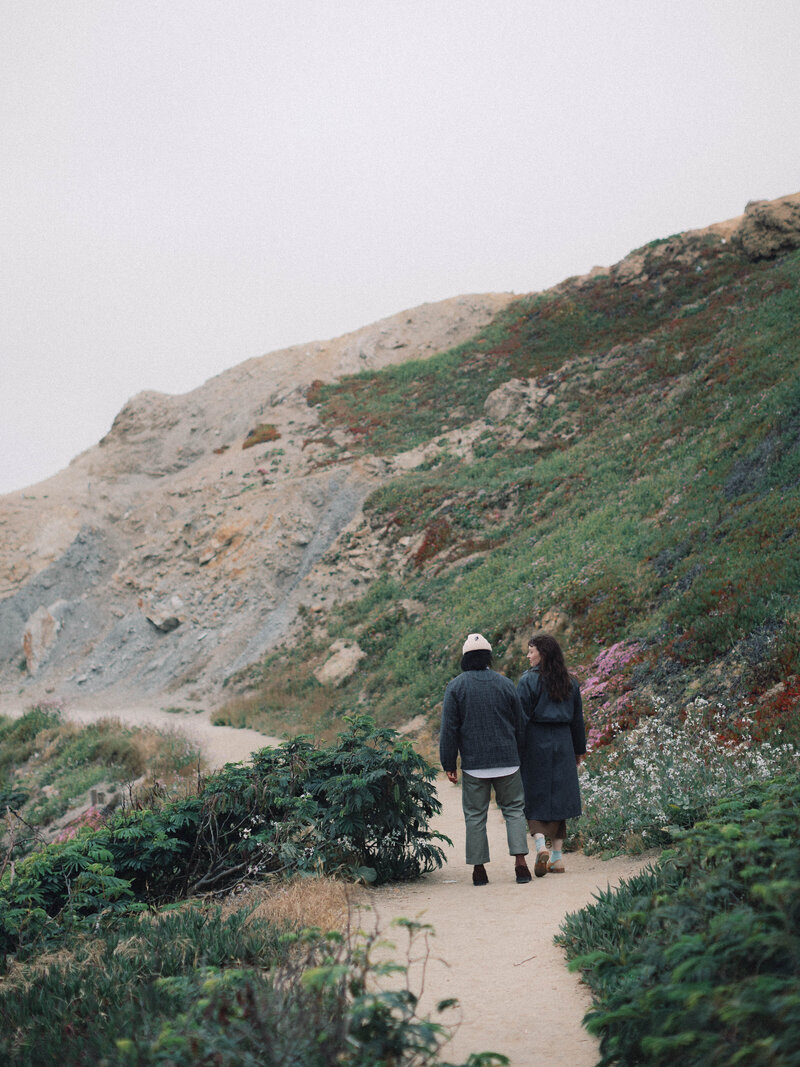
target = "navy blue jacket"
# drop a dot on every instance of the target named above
(555, 735)
(481, 719)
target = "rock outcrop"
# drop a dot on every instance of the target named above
(769, 228)
(341, 665)
(40, 634)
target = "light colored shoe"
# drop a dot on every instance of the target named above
(542, 864)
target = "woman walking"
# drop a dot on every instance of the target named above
(555, 744)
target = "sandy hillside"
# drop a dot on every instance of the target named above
(172, 553)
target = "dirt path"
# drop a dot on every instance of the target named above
(493, 947)
(219, 744)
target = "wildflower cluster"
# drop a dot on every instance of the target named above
(661, 776)
(91, 817)
(608, 702)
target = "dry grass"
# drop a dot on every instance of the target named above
(322, 902)
(24, 976)
(265, 431)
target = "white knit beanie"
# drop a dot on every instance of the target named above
(475, 643)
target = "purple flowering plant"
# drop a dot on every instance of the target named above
(609, 705)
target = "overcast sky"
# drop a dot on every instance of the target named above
(185, 184)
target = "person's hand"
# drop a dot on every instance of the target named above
(452, 776)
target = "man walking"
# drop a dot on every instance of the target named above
(482, 719)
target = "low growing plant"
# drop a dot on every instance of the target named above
(191, 987)
(663, 776)
(698, 960)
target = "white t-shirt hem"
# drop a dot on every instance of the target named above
(491, 772)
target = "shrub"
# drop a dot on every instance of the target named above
(202, 986)
(191, 987)
(361, 806)
(698, 960)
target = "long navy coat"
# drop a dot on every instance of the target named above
(554, 736)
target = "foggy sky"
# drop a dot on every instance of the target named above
(185, 184)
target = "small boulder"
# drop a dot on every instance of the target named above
(165, 615)
(556, 622)
(516, 397)
(341, 665)
(510, 398)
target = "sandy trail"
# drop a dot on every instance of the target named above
(493, 946)
(219, 744)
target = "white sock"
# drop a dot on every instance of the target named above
(538, 841)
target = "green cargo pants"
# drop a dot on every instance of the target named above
(475, 796)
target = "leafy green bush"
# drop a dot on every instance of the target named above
(192, 987)
(698, 961)
(361, 806)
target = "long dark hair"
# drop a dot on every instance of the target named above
(552, 668)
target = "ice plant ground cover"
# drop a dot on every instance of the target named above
(697, 960)
(608, 707)
(661, 776)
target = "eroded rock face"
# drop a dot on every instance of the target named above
(40, 634)
(769, 228)
(183, 556)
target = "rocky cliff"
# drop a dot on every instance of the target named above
(181, 548)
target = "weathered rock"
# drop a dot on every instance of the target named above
(341, 665)
(515, 397)
(166, 614)
(509, 399)
(769, 227)
(41, 632)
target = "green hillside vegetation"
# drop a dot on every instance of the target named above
(649, 499)
(654, 503)
(696, 961)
